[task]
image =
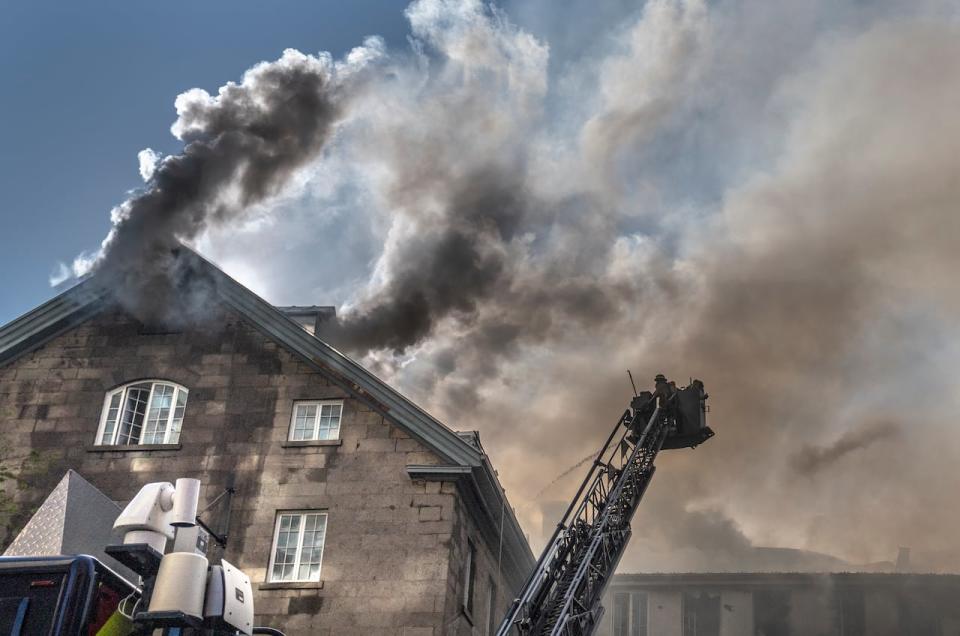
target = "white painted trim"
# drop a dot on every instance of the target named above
(469, 577)
(300, 535)
(146, 414)
(173, 410)
(103, 417)
(122, 389)
(316, 422)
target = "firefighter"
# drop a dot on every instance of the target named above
(664, 391)
(643, 406)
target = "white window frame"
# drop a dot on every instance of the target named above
(296, 563)
(122, 391)
(316, 422)
(621, 601)
(491, 607)
(469, 579)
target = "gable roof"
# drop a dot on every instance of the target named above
(466, 461)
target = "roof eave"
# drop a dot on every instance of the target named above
(52, 318)
(489, 504)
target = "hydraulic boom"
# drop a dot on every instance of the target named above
(562, 595)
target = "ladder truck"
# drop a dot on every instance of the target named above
(562, 595)
(180, 592)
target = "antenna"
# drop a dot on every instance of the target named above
(632, 383)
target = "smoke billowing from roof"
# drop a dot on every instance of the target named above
(510, 220)
(240, 148)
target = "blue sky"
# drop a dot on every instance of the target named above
(88, 85)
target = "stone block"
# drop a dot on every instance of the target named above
(377, 445)
(430, 513)
(422, 458)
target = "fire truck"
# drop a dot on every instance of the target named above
(180, 593)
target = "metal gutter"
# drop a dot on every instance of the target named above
(437, 473)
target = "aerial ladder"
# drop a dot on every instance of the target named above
(562, 595)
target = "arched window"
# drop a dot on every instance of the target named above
(147, 412)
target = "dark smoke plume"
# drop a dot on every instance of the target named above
(240, 148)
(456, 261)
(812, 459)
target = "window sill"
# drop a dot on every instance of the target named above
(122, 448)
(292, 585)
(311, 442)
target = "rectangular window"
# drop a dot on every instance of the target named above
(638, 614)
(298, 546)
(469, 577)
(852, 613)
(701, 613)
(621, 614)
(316, 420)
(771, 612)
(491, 608)
(630, 614)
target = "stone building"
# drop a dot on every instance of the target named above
(782, 604)
(355, 511)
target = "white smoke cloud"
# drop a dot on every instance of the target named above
(148, 159)
(80, 266)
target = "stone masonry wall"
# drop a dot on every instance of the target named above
(487, 578)
(393, 544)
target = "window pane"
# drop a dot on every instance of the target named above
(638, 620)
(134, 409)
(470, 576)
(621, 614)
(284, 560)
(303, 428)
(311, 550)
(177, 422)
(304, 423)
(329, 421)
(158, 414)
(491, 608)
(110, 421)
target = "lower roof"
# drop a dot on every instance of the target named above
(763, 579)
